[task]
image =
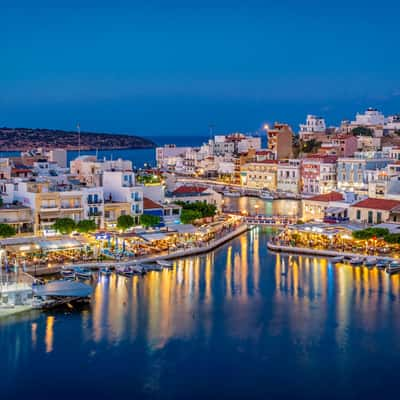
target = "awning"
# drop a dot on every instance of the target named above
(63, 289)
(334, 210)
(182, 228)
(150, 237)
(63, 244)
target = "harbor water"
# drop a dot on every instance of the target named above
(239, 322)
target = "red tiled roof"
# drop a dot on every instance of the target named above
(332, 196)
(377, 204)
(149, 204)
(189, 189)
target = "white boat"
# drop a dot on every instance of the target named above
(337, 259)
(228, 193)
(264, 194)
(83, 273)
(67, 273)
(106, 271)
(165, 263)
(370, 262)
(394, 266)
(356, 261)
(125, 271)
(383, 263)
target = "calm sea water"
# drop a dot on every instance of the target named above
(138, 157)
(224, 325)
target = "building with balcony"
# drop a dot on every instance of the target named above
(259, 175)
(318, 174)
(280, 141)
(314, 128)
(289, 176)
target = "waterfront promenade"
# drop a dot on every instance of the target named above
(204, 248)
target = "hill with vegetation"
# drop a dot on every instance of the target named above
(21, 139)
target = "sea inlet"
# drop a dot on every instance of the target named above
(239, 322)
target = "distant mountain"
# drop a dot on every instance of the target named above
(20, 139)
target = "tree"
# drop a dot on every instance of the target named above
(370, 233)
(310, 146)
(149, 220)
(6, 230)
(362, 131)
(86, 226)
(206, 210)
(1, 201)
(188, 216)
(124, 222)
(64, 226)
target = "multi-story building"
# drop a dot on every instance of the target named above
(340, 145)
(235, 143)
(354, 174)
(89, 170)
(121, 186)
(280, 141)
(314, 128)
(260, 175)
(289, 176)
(49, 202)
(166, 156)
(318, 174)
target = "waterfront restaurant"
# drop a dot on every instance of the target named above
(320, 236)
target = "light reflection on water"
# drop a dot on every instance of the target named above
(216, 310)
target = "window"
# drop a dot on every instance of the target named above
(378, 217)
(358, 214)
(370, 217)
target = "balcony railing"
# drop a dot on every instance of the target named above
(95, 214)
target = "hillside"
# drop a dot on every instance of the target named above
(19, 139)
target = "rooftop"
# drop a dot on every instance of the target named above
(185, 190)
(327, 197)
(377, 204)
(149, 204)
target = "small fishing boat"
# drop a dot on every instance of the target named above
(83, 273)
(152, 267)
(355, 261)
(124, 271)
(394, 266)
(165, 263)
(337, 259)
(383, 263)
(106, 271)
(264, 194)
(229, 193)
(67, 273)
(370, 262)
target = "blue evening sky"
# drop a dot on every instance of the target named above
(173, 67)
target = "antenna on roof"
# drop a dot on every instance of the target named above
(78, 127)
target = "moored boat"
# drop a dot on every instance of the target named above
(337, 259)
(266, 195)
(382, 263)
(106, 271)
(165, 263)
(83, 273)
(356, 261)
(370, 262)
(394, 266)
(229, 193)
(125, 271)
(67, 273)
